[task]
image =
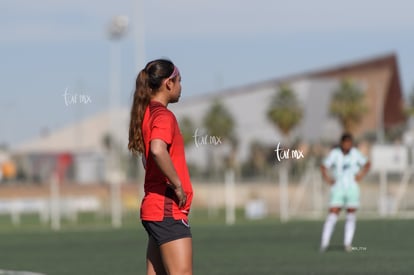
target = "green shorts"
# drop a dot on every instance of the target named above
(344, 197)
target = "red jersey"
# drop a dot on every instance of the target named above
(160, 200)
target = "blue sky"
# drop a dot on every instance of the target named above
(48, 46)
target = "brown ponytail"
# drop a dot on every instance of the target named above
(148, 82)
(142, 97)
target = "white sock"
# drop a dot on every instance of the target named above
(328, 228)
(350, 225)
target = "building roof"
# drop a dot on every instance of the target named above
(379, 74)
(84, 136)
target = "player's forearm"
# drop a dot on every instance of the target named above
(364, 170)
(163, 160)
(325, 175)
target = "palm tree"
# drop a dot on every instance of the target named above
(187, 130)
(285, 112)
(219, 122)
(348, 105)
(220, 125)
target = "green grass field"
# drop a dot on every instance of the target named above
(249, 247)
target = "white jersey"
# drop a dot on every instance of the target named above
(345, 167)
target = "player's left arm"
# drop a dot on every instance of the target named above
(366, 165)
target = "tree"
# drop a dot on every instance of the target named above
(348, 105)
(219, 123)
(258, 160)
(285, 112)
(118, 158)
(187, 130)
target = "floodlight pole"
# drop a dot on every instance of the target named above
(139, 34)
(117, 29)
(138, 29)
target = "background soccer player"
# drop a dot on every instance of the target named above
(347, 166)
(155, 134)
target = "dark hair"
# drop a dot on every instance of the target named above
(148, 82)
(346, 137)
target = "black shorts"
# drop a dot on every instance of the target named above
(167, 230)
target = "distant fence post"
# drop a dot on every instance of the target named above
(15, 213)
(55, 202)
(383, 198)
(283, 193)
(230, 197)
(116, 200)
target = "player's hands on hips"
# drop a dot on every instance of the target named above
(358, 177)
(330, 180)
(182, 197)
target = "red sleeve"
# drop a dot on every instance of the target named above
(163, 127)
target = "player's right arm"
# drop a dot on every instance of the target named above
(365, 166)
(327, 163)
(162, 129)
(159, 151)
(326, 176)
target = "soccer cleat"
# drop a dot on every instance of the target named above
(348, 248)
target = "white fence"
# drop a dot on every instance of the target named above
(68, 206)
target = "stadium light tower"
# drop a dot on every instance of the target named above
(116, 30)
(139, 34)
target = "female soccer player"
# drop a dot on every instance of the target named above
(348, 167)
(154, 133)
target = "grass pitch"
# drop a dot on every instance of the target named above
(249, 247)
